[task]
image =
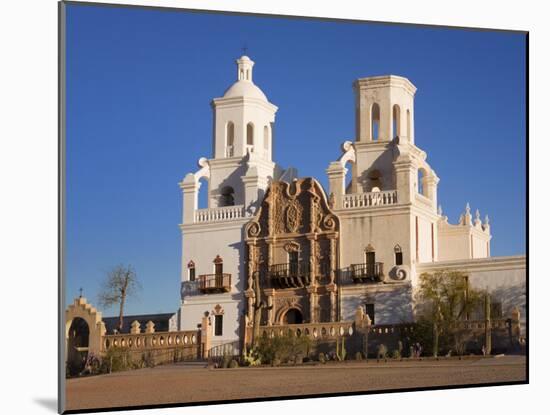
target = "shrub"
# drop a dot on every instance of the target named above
(322, 358)
(252, 357)
(287, 348)
(148, 359)
(341, 350)
(116, 359)
(226, 360)
(396, 354)
(358, 356)
(382, 351)
(233, 364)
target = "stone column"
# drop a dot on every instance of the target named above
(249, 294)
(333, 262)
(313, 245)
(405, 173)
(430, 185)
(150, 327)
(270, 314)
(337, 177)
(312, 291)
(205, 335)
(190, 188)
(251, 183)
(332, 289)
(135, 328)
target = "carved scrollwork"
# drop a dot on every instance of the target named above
(400, 273)
(292, 247)
(254, 229)
(293, 216)
(329, 222)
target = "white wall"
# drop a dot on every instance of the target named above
(504, 277)
(392, 303)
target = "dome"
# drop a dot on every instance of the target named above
(244, 89)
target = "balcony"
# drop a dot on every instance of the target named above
(289, 275)
(365, 273)
(371, 199)
(220, 214)
(214, 283)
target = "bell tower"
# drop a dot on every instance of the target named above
(243, 118)
(384, 108)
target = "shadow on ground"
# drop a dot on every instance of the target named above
(48, 403)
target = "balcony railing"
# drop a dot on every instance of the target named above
(370, 272)
(289, 275)
(214, 283)
(359, 200)
(219, 214)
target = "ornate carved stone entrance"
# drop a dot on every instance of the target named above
(293, 316)
(293, 247)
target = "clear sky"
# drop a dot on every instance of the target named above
(139, 86)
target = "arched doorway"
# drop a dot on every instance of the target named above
(77, 345)
(293, 316)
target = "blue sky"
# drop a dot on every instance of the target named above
(139, 85)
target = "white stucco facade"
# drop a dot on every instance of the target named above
(388, 211)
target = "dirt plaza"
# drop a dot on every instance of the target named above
(186, 383)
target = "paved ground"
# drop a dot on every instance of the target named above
(192, 383)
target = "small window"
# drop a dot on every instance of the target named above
(293, 262)
(227, 197)
(250, 134)
(369, 310)
(398, 255)
(496, 310)
(396, 119)
(218, 325)
(375, 122)
(230, 133)
(421, 178)
(191, 270)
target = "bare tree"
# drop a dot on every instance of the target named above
(120, 283)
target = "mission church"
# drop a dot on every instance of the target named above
(320, 254)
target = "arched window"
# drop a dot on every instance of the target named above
(396, 121)
(250, 136)
(218, 265)
(230, 139)
(203, 198)
(227, 196)
(191, 271)
(266, 139)
(421, 178)
(375, 122)
(408, 124)
(370, 261)
(398, 255)
(375, 181)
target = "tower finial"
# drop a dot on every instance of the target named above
(486, 219)
(244, 68)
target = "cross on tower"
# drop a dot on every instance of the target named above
(244, 49)
(80, 292)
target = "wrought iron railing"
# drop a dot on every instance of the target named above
(294, 274)
(214, 283)
(369, 272)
